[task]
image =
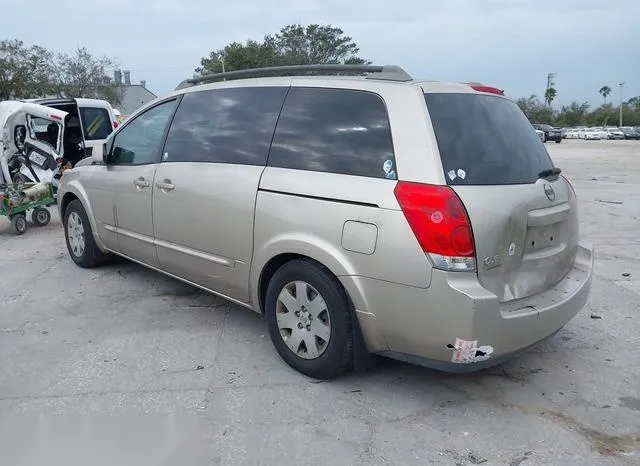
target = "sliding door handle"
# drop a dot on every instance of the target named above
(141, 183)
(165, 185)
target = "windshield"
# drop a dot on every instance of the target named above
(485, 140)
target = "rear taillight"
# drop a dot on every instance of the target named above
(115, 124)
(440, 223)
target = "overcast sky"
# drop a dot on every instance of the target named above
(512, 44)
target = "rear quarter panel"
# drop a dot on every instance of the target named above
(295, 214)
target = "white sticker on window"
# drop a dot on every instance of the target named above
(452, 175)
(461, 173)
(388, 169)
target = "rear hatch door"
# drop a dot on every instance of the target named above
(524, 217)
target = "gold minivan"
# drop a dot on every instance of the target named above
(361, 213)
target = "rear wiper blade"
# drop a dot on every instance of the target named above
(549, 172)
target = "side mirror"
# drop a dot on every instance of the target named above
(107, 148)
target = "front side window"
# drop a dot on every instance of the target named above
(233, 125)
(140, 141)
(335, 131)
(96, 123)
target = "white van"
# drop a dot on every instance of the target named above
(96, 116)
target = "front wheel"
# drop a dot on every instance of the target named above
(19, 224)
(309, 318)
(558, 141)
(80, 243)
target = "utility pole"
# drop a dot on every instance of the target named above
(621, 84)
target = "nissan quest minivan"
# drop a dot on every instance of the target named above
(360, 213)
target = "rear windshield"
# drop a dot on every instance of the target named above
(485, 140)
(96, 123)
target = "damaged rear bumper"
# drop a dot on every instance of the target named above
(456, 325)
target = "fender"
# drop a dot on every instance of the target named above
(302, 244)
(337, 262)
(71, 185)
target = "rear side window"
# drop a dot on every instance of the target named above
(335, 131)
(485, 140)
(233, 125)
(96, 123)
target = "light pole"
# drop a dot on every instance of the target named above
(621, 84)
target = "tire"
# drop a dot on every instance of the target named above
(558, 141)
(79, 237)
(19, 224)
(334, 356)
(40, 216)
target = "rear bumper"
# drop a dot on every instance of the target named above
(456, 325)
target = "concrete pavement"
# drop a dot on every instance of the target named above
(125, 341)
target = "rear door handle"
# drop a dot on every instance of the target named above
(165, 185)
(141, 183)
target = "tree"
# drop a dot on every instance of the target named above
(573, 114)
(293, 45)
(549, 95)
(300, 45)
(83, 75)
(605, 91)
(24, 71)
(237, 56)
(535, 110)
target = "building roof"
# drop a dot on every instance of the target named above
(135, 95)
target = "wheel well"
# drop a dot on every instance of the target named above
(362, 360)
(68, 197)
(273, 265)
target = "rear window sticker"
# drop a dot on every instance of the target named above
(452, 174)
(461, 173)
(388, 169)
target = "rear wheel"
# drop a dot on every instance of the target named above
(19, 224)
(309, 318)
(80, 243)
(41, 216)
(558, 141)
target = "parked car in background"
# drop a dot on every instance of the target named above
(550, 133)
(630, 133)
(573, 133)
(378, 222)
(592, 134)
(614, 132)
(540, 134)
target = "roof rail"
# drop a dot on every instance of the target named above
(386, 72)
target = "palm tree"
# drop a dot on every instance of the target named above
(605, 91)
(549, 95)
